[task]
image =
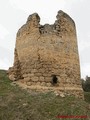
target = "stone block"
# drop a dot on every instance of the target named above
(35, 79)
(41, 78)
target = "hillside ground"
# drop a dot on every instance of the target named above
(19, 104)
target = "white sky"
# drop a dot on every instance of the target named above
(14, 13)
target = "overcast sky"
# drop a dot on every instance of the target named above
(14, 13)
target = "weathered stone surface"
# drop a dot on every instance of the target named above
(45, 50)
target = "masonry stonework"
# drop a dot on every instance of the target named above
(46, 56)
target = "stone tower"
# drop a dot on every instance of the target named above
(46, 56)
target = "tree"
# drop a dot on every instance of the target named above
(86, 84)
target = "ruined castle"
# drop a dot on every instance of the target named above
(46, 56)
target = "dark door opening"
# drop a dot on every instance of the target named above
(54, 79)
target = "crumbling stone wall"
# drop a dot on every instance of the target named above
(44, 51)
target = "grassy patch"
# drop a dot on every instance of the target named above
(18, 104)
(87, 96)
